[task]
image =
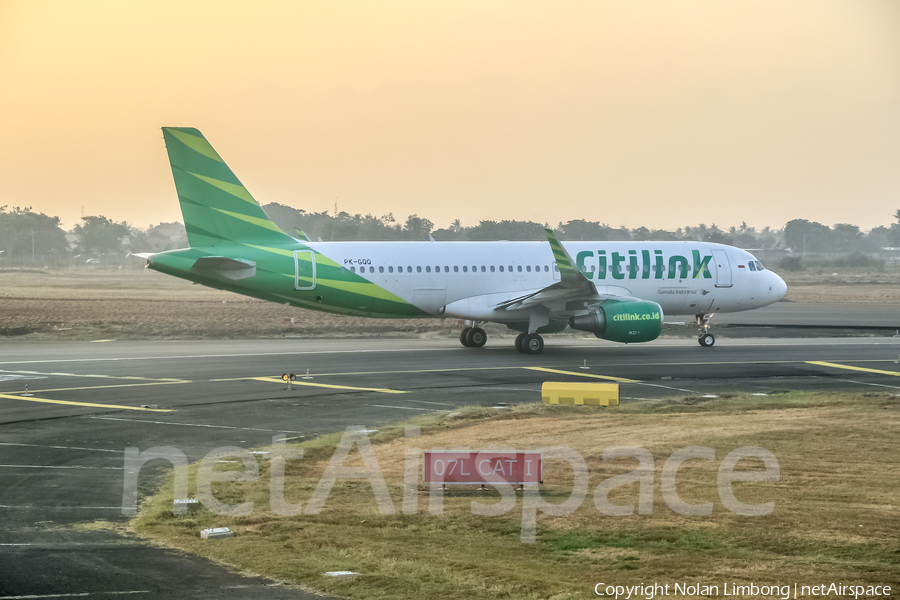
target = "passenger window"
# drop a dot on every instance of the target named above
(390, 269)
(519, 268)
(501, 268)
(474, 268)
(418, 269)
(546, 269)
(465, 269)
(455, 269)
(381, 269)
(446, 269)
(510, 268)
(428, 269)
(353, 269)
(492, 268)
(528, 268)
(371, 269)
(409, 269)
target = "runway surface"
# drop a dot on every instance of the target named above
(827, 315)
(62, 441)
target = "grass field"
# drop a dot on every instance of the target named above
(836, 514)
(137, 304)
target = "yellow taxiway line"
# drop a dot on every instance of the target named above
(577, 374)
(85, 404)
(100, 387)
(324, 385)
(849, 368)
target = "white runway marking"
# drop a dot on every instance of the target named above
(79, 544)
(407, 408)
(666, 387)
(893, 387)
(61, 507)
(61, 447)
(6, 376)
(73, 595)
(60, 467)
(449, 348)
(182, 357)
(194, 425)
(427, 402)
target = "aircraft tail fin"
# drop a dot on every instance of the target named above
(216, 206)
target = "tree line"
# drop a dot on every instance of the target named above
(797, 236)
(26, 233)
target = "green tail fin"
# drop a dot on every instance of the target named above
(216, 206)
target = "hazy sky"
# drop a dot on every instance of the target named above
(629, 112)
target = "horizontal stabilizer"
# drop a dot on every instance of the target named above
(230, 268)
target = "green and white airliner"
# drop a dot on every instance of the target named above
(618, 291)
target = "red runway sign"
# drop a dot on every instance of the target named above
(504, 468)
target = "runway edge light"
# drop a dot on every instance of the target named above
(586, 394)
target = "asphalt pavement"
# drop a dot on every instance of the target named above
(62, 440)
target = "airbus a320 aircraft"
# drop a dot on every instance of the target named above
(618, 291)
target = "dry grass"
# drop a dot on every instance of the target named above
(836, 514)
(138, 304)
(844, 286)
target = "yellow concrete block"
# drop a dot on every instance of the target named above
(594, 394)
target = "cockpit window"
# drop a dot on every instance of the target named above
(752, 265)
(759, 266)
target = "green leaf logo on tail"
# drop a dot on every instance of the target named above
(216, 206)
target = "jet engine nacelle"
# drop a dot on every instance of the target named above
(625, 321)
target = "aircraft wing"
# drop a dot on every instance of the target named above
(572, 286)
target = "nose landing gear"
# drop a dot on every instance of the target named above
(706, 339)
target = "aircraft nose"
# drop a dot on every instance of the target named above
(779, 287)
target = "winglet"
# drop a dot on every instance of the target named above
(569, 274)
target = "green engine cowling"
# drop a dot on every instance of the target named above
(625, 321)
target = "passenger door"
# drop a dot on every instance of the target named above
(304, 270)
(723, 268)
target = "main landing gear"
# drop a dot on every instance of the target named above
(706, 339)
(529, 343)
(472, 337)
(526, 343)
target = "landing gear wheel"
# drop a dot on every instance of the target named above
(519, 339)
(464, 336)
(707, 340)
(476, 337)
(532, 344)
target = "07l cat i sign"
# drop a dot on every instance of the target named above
(449, 467)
